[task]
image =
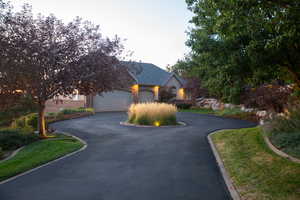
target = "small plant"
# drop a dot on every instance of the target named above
(76, 110)
(284, 131)
(156, 114)
(11, 139)
(27, 121)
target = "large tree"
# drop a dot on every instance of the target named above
(43, 57)
(244, 43)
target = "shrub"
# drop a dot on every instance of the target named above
(285, 124)
(76, 110)
(27, 121)
(268, 97)
(284, 131)
(182, 104)
(230, 111)
(152, 114)
(11, 139)
(20, 108)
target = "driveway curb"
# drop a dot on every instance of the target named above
(48, 163)
(228, 181)
(149, 126)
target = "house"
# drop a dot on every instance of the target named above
(147, 80)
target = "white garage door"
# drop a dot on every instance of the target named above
(146, 96)
(112, 101)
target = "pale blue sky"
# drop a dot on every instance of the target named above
(154, 29)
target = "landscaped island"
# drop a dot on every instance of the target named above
(152, 114)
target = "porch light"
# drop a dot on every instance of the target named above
(156, 91)
(135, 88)
(181, 93)
(156, 123)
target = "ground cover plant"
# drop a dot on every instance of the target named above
(157, 114)
(284, 131)
(257, 172)
(11, 139)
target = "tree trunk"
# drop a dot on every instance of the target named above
(41, 120)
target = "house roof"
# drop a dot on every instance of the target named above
(149, 74)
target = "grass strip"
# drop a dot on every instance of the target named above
(257, 172)
(36, 154)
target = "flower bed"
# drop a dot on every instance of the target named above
(155, 114)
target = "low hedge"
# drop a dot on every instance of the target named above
(31, 120)
(76, 110)
(11, 139)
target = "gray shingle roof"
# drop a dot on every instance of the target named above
(148, 74)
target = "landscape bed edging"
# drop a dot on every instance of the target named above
(149, 126)
(228, 181)
(279, 152)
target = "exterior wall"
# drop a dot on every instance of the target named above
(174, 82)
(56, 106)
(117, 100)
(146, 94)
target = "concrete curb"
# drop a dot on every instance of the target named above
(148, 126)
(228, 181)
(279, 152)
(12, 154)
(48, 163)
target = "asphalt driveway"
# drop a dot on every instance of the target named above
(129, 163)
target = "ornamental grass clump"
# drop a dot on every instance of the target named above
(156, 114)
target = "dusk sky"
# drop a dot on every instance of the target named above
(155, 30)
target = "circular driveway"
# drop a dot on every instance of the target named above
(131, 163)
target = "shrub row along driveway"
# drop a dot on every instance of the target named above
(130, 163)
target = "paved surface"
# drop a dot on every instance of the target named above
(129, 163)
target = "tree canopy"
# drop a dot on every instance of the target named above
(42, 57)
(243, 43)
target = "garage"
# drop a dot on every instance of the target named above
(146, 96)
(118, 100)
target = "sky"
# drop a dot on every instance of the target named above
(155, 30)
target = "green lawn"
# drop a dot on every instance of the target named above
(37, 154)
(199, 110)
(227, 112)
(257, 172)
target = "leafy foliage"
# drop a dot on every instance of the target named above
(11, 139)
(76, 110)
(284, 131)
(20, 108)
(43, 57)
(271, 97)
(243, 43)
(288, 123)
